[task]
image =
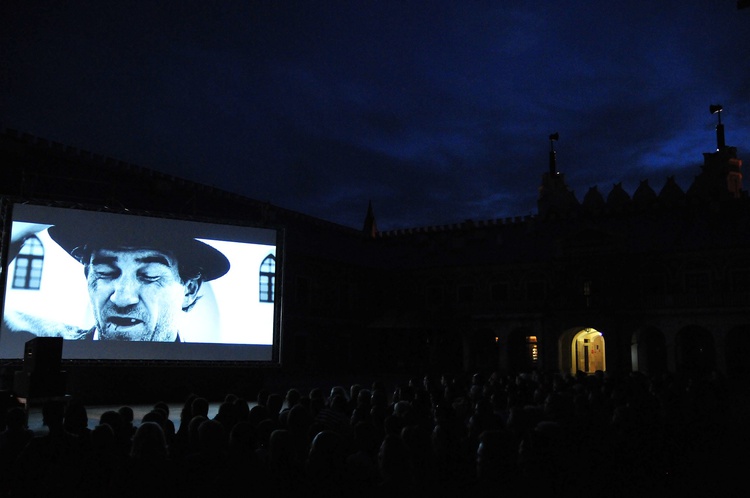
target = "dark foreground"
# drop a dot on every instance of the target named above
(526, 435)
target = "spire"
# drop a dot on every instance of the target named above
(721, 177)
(554, 195)
(552, 154)
(720, 141)
(370, 228)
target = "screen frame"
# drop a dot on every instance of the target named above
(152, 352)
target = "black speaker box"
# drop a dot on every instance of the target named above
(43, 355)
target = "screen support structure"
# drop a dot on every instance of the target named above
(5, 228)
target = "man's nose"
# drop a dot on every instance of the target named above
(126, 291)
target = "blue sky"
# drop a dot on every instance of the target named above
(435, 111)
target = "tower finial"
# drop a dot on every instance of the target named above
(370, 228)
(716, 109)
(552, 154)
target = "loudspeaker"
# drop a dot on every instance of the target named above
(41, 375)
(43, 355)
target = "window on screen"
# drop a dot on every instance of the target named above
(27, 273)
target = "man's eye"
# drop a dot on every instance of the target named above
(106, 274)
(150, 278)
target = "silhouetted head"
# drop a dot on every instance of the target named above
(199, 406)
(292, 397)
(212, 437)
(127, 414)
(76, 417)
(393, 460)
(53, 414)
(113, 419)
(149, 442)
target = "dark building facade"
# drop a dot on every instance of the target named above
(650, 282)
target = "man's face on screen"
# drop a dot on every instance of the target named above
(136, 294)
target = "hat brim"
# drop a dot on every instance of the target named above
(78, 240)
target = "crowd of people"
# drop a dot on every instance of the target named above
(532, 434)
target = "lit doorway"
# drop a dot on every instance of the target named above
(522, 351)
(587, 352)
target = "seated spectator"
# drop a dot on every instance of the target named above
(168, 425)
(326, 465)
(335, 419)
(13, 440)
(149, 470)
(395, 467)
(127, 419)
(77, 421)
(49, 463)
(113, 419)
(497, 464)
(285, 469)
(362, 463)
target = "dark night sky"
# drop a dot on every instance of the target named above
(436, 114)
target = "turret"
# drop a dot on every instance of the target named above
(721, 175)
(554, 195)
(370, 227)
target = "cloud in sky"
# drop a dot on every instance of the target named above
(435, 114)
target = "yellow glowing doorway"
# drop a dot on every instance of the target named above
(587, 352)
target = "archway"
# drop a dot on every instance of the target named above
(582, 349)
(587, 352)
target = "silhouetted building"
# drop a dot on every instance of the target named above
(654, 282)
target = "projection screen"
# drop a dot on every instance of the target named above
(83, 274)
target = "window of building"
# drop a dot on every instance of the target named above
(27, 273)
(267, 279)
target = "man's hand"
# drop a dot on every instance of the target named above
(18, 321)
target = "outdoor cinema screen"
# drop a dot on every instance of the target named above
(127, 287)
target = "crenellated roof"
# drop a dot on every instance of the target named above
(644, 196)
(593, 201)
(618, 199)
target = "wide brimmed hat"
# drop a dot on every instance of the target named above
(79, 240)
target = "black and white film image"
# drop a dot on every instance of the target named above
(94, 277)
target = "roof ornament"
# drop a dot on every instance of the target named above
(716, 109)
(552, 154)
